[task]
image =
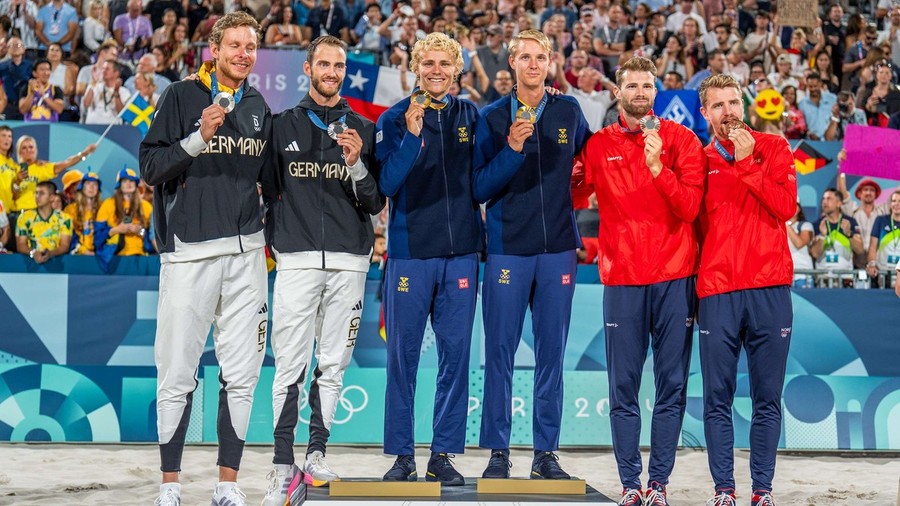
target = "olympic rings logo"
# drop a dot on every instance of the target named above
(349, 404)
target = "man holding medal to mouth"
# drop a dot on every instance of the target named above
(425, 146)
(648, 174)
(743, 285)
(525, 146)
(205, 160)
(321, 190)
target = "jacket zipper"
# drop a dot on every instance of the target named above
(541, 187)
(446, 183)
(322, 189)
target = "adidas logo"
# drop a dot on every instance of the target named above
(292, 146)
(264, 309)
(358, 306)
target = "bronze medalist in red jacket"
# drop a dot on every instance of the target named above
(647, 231)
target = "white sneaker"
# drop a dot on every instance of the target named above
(229, 495)
(168, 496)
(316, 471)
(280, 479)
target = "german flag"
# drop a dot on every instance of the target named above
(807, 159)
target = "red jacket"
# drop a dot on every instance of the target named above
(646, 224)
(743, 237)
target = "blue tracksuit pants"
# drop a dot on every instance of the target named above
(444, 289)
(758, 320)
(546, 282)
(660, 316)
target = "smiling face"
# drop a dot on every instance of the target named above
(27, 151)
(235, 56)
(530, 64)
(326, 72)
(636, 92)
(436, 72)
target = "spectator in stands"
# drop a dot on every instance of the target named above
(761, 43)
(855, 59)
(94, 29)
(594, 104)
(149, 64)
(62, 73)
(4, 229)
(402, 37)
(721, 38)
(33, 171)
(156, 11)
(559, 7)
(825, 70)
(884, 244)
(674, 59)
(799, 51)
(653, 38)
(816, 107)
(673, 81)
(800, 234)
(162, 34)
(783, 74)
(23, 16)
(891, 33)
(365, 35)
(835, 34)
(794, 124)
(675, 21)
(132, 31)
(163, 70)
(737, 63)
(866, 211)
(70, 180)
(204, 28)
(609, 40)
(883, 99)
(716, 64)
(15, 74)
(83, 212)
(8, 171)
(326, 19)
(57, 21)
(844, 112)
(104, 100)
(123, 219)
(379, 250)
(182, 59)
(39, 100)
(146, 88)
(91, 74)
(284, 31)
(43, 232)
(635, 45)
(501, 87)
(493, 54)
(838, 235)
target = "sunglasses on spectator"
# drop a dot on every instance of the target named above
(883, 64)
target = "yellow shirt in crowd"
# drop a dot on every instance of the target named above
(85, 235)
(8, 170)
(37, 172)
(134, 244)
(43, 234)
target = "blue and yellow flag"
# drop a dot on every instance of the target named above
(139, 114)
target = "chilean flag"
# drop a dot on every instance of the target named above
(371, 89)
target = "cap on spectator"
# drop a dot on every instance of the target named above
(494, 30)
(868, 182)
(127, 173)
(90, 176)
(71, 177)
(783, 58)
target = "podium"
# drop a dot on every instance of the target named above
(522, 491)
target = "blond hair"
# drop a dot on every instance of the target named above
(23, 140)
(234, 20)
(718, 81)
(437, 42)
(635, 64)
(534, 35)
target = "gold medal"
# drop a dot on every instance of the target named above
(526, 113)
(422, 98)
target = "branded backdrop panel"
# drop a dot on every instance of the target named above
(76, 364)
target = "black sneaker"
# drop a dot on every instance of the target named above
(546, 467)
(498, 467)
(404, 469)
(441, 469)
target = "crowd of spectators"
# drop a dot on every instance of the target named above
(82, 60)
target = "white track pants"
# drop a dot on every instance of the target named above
(230, 293)
(312, 306)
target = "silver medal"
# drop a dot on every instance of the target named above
(649, 123)
(225, 100)
(336, 128)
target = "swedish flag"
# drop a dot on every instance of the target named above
(139, 113)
